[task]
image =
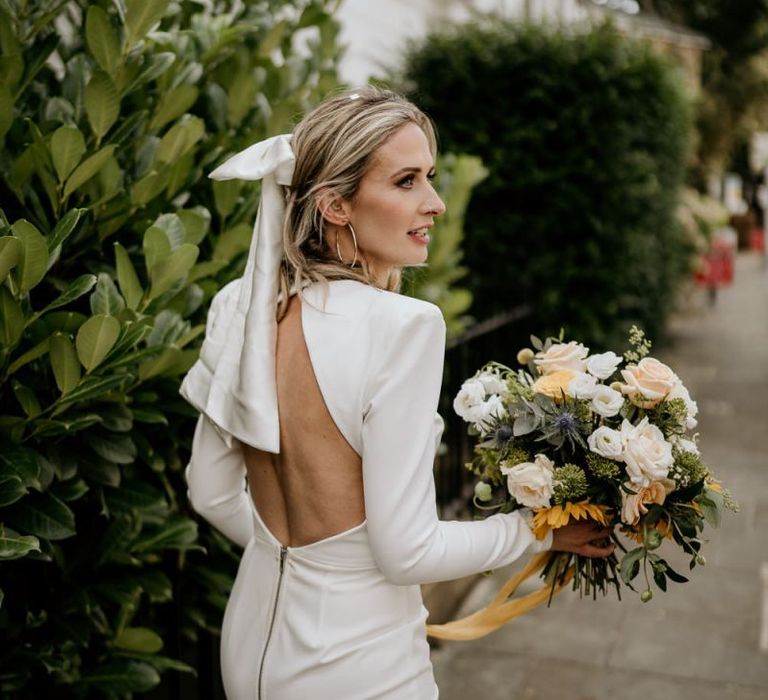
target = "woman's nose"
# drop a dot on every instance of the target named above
(434, 205)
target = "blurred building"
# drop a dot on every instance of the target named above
(376, 34)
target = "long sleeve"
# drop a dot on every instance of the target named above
(410, 544)
(216, 483)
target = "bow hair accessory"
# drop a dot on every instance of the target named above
(233, 381)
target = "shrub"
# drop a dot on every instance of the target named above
(111, 243)
(585, 140)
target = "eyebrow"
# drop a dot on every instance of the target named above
(410, 169)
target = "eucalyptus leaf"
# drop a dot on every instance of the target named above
(95, 339)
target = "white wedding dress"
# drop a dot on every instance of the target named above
(342, 618)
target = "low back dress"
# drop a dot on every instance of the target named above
(342, 618)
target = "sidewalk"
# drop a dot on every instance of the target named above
(700, 640)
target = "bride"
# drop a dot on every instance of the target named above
(318, 386)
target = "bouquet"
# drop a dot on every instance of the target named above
(601, 437)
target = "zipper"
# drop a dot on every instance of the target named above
(283, 555)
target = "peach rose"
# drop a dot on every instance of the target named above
(648, 382)
(563, 356)
(633, 505)
(555, 384)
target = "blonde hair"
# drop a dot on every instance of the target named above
(334, 145)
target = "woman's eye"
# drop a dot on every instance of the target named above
(406, 181)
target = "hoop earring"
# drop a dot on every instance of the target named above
(354, 240)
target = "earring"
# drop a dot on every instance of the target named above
(354, 240)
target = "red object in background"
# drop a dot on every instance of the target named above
(757, 240)
(716, 269)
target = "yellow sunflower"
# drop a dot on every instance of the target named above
(546, 519)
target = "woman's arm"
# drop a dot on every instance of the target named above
(216, 480)
(410, 544)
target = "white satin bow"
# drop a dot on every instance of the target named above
(233, 381)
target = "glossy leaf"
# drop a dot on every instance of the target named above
(106, 299)
(140, 17)
(87, 169)
(170, 270)
(43, 515)
(177, 532)
(121, 676)
(67, 148)
(11, 319)
(10, 254)
(179, 139)
(34, 255)
(102, 103)
(79, 286)
(32, 354)
(64, 229)
(173, 104)
(127, 278)
(102, 40)
(66, 368)
(140, 639)
(157, 247)
(27, 399)
(6, 110)
(95, 339)
(15, 546)
(22, 462)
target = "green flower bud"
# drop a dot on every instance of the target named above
(525, 356)
(645, 596)
(700, 559)
(483, 491)
(653, 539)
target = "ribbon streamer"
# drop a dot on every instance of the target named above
(501, 610)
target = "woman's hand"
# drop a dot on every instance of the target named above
(588, 538)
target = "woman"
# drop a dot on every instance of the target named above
(322, 399)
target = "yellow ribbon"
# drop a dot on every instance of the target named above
(501, 610)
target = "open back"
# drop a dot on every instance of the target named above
(313, 489)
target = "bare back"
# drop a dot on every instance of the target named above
(314, 488)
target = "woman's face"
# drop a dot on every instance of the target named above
(396, 204)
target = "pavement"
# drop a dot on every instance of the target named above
(703, 640)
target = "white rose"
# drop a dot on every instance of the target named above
(530, 483)
(470, 395)
(692, 408)
(582, 386)
(603, 365)
(607, 443)
(482, 414)
(648, 382)
(562, 356)
(647, 454)
(606, 401)
(492, 383)
(684, 444)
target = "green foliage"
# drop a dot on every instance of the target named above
(456, 177)
(111, 244)
(584, 137)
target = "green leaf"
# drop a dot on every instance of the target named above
(11, 319)
(149, 415)
(102, 40)
(43, 515)
(37, 351)
(34, 255)
(179, 139)
(134, 494)
(6, 110)
(22, 462)
(64, 229)
(122, 676)
(106, 299)
(127, 278)
(173, 104)
(630, 564)
(27, 399)
(225, 196)
(119, 449)
(157, 247)
(241, 97)
(140, 17)
(11, 489)
(102, 103)
(14, 546)
(158, 64)
(87, 169)
(196, 222)
(70, 489)
(90, 388)
(139, 639)
(149, 187)
(177, 532)
(79, 286)
(10, 254)
(169, 271)
(66, 368)
(67, 148)
(95, 339)
(173, 227)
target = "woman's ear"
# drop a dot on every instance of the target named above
(333, 207)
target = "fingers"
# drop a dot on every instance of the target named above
(596, 549)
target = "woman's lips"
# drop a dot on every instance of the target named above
(420, 235)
